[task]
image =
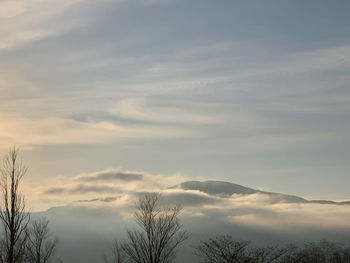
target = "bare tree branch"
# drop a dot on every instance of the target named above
(41, 245)
(159, 235)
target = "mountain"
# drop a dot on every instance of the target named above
(215, 188)
(226, 189)
(87, 228)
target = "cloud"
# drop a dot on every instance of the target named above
(100, 185)
(256, 209)
(252, 101)
(10, 9)
(107, 198)
(137, 109)
(29, 132)
(110, 175)
(226, 86)
(82, 189)
(23, 21)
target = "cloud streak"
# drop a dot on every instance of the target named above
(110, 175)
(213, 90)
(29, 132)
(82, 189)
(24, 21)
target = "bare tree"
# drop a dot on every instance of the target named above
(41, 245)
(226, 249)
(160, 235)
(270, 254)
(13, 216)
(319, 252)
(223, 249)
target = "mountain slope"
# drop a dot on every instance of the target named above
(215, 187)
(226, 189)
(87, 228)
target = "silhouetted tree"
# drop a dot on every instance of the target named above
(226, 249)
(223, 249)
(160, 234)
(13, 216)
(270, 254)
(319, 252)
(41, 245)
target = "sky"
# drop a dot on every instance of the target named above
(251, 92)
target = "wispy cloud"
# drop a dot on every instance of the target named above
(110, 175)
(137, 109)
(24, 21)
(100, 185)
(28, 132)
(212, 87)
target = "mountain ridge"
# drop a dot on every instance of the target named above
(226, 189)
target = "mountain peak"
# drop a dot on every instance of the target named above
(226, 189)
(215, 187)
